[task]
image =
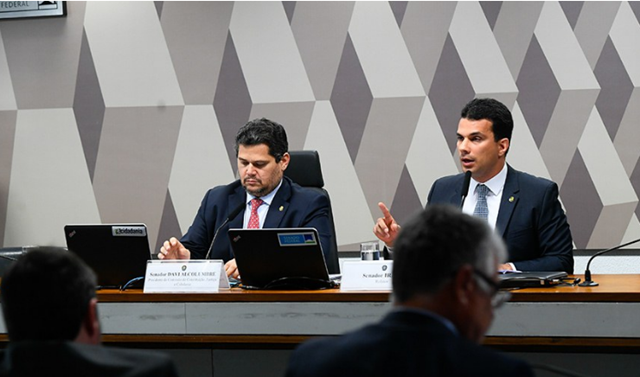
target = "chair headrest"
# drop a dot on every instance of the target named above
(304, 169)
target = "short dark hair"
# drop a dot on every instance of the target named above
(492, 110)
(45, 295)
(435, 244)
(264, 131)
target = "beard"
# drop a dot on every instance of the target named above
(257, 192)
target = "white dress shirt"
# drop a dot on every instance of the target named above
(262, 210)
(494, 196)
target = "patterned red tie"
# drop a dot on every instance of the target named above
(254, 220)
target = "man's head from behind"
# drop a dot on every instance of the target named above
(262, 152)
(446, 262)
(49, 295)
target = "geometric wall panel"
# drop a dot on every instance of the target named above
(429, 145)
(199, 140)
(625, 34)
(43, 58)
(7, 96)
(127, 111)
(425, 28)
(593, 27)
(611, 182)
(348, 201)
(514, 29)
(7, 136)
(320, 30)
(196, 37)
(131, 55)
(49, 184)
(134, 162)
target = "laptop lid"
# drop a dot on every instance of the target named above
(116, 252)
(284, 258)
(527, 279)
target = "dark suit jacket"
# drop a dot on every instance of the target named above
(404, 343)
(73, 359)
(530, 220)
(292, 207)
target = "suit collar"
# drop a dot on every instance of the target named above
(277, 209)
(417, 319)
(236, 199)
(279, 205)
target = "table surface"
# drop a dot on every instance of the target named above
(243, 318)
(612, 288)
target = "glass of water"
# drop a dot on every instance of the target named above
(370, 251)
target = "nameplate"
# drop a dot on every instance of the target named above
(361, 275)
(185, 276)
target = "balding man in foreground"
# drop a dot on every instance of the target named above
(445, 291)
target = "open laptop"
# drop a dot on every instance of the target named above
(284, 258)
(531, 279)
(117, 253)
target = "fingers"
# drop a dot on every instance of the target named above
(171, 249)
(380, 228)
(385, 212)
(386, 228)
(231, 269)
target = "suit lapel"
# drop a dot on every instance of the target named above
(509, 201)
(456, 195)
(279, 205)
(238, 197)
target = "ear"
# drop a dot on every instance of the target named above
(464, 285)
(503, 146)
(90, 327)
(284, 161)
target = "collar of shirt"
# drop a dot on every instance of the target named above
(263, 209)
(445, 321)
(496, 186)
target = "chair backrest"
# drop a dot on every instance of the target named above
(304, 169)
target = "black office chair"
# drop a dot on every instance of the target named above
(304, 169)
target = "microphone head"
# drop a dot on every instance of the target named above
(465, 183)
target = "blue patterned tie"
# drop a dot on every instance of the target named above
(482, 210)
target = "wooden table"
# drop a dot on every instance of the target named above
(599, 319)
(602, 318)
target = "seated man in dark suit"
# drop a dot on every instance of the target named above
(265, 197)
(50, 312)
(523, 209)
(445, 291)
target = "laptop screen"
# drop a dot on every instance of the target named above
(117, 253)
(285, 258)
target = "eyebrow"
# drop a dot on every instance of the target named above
(475, 133)
(253, 162)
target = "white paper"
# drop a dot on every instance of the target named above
(185, 276)
(360, 275)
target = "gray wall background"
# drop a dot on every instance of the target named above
(126, 111)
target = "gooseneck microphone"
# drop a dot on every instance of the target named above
(231, 216)
(587, 273)
(465, 187)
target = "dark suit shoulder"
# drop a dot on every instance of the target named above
(83, 360)
(449, 179)
(527, 180)
(403, 343)
(223, 191)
